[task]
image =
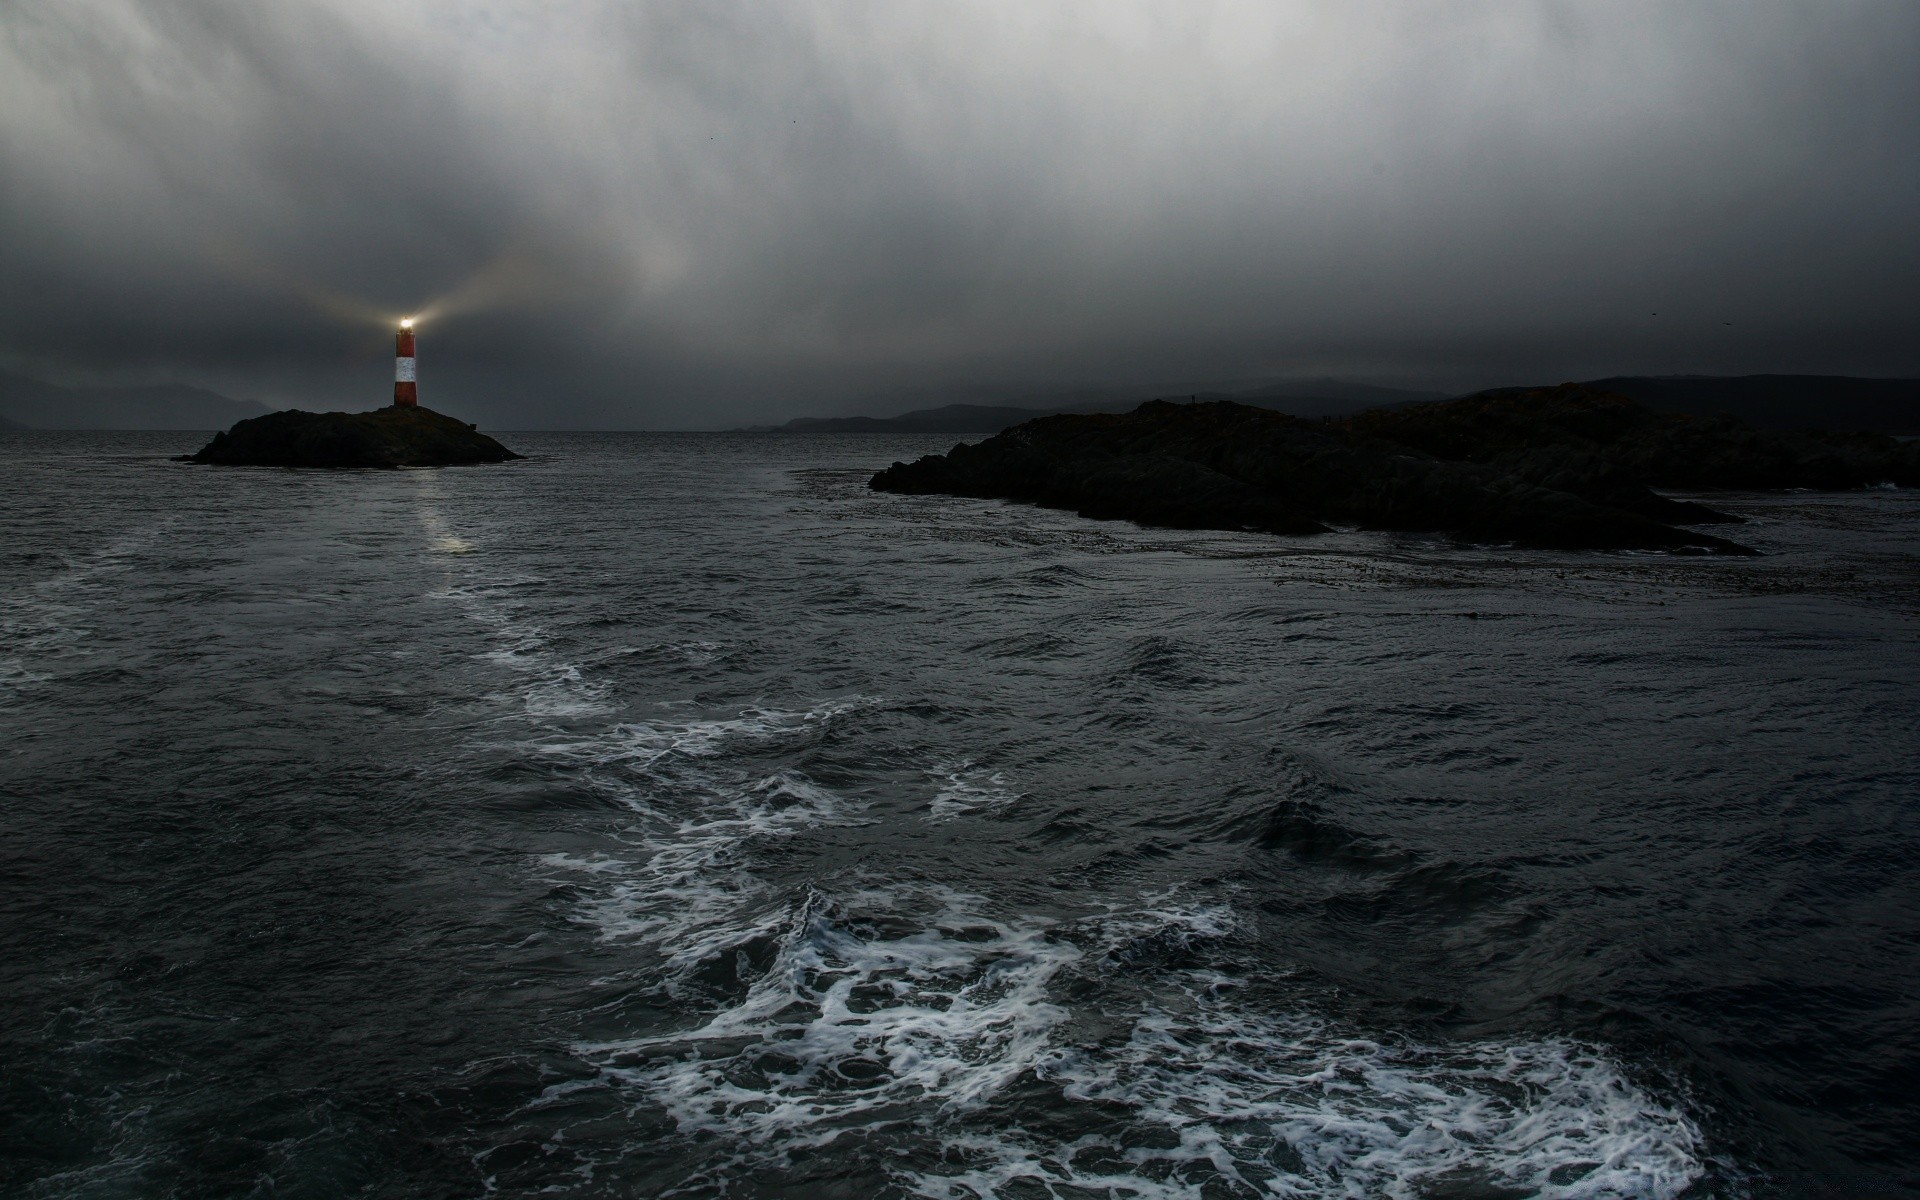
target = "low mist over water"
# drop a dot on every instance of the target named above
(673, 815)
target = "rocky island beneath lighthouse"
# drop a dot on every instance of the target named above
(401, 435)
(1570, 467)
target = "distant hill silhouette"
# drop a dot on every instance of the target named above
(1839, 402)
(1781, 401)
(1300, 398)
(36, 404)
(948, 418)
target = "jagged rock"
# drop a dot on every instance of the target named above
(1673, 450)
(1223, 465)
(1152, 488)
(387, 437)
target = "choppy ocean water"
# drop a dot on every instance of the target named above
(668, 815)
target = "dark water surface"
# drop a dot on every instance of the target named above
(671, 816)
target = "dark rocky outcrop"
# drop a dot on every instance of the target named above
(1564, 467)
(1664, 449)
(386, 437)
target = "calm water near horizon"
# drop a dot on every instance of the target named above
(670, 815)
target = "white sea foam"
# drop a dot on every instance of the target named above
(563, 691)
(882, 1005)
(699, 653)
(852, 1022)
(1263, 1105)
(681, 881)
(640, 745)
(1008, 1055)
(682, 884)
(550, 686)
(964, 788)
(907, 1009)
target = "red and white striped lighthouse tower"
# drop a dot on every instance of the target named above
(406, 393)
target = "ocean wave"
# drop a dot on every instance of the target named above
(551, 686)
(1219, 1100)
(964, 789)
(862, 1017)
(684, 886)
(642, 744)
(681, 880)
(969, 1038)
(33, 635)
(46, 622)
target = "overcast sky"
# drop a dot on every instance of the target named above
(622, 213)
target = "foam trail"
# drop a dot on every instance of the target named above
(1294, 1106)
(910, 1010)
(848, 1025)
(553, 687)
(685, 888)
(683, 884)
(639, 746)
(972, 1038)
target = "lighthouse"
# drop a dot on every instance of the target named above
(406, 393)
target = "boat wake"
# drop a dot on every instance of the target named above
(971, 1051)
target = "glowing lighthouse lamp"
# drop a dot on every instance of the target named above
(406, 393)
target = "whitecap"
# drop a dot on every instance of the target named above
(1208, 1095)
(681, 881)
(644, 743)
(551, 686)
(963, 789)
(682, 885)
(910, 1009)
(1263, 1105)
(850, 1022)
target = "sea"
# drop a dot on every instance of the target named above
(670, 815)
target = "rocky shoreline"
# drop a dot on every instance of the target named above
(1562, 468)
(389, 437)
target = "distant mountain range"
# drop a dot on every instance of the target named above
(33, 404)
(1302, 398)
(1766, 401)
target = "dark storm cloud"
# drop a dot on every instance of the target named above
(632, 213)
